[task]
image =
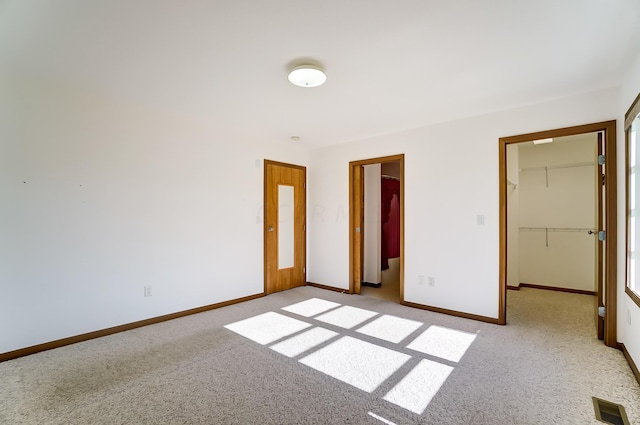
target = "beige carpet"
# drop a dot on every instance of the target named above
(309, 356)
(390, 288)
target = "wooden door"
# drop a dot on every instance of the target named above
(284, 226)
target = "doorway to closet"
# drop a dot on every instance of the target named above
(376, 227)
(556, 206)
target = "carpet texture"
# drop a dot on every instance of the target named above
(319, 357)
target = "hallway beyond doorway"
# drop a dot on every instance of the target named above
(390, 288)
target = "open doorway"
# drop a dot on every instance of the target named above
(376, 227)
(555, 209)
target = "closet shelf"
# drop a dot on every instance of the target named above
(546, 168)
(546, 231)
(555, 167)
(559, 229)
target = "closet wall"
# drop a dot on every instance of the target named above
(557, 208)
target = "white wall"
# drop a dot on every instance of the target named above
(451, 175)
(101, 198)
(560, 198)
(372, 225)
(153, 209)
(513, 216)
(628, 311)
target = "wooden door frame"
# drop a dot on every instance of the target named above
(609, 129)
(599, 248)
(356, 182)
(267, 162)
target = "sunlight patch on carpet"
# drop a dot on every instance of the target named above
(381, 419)
(355, 361)
(268, 327)
(390, 328)
(305, 341)
(448, 344)
(419, 386)
(347, 317)
(358, 363)
(311, 307)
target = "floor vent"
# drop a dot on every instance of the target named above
(610, 413)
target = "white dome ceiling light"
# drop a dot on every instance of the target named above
(307, 76)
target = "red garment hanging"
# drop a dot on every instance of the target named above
(390, 208)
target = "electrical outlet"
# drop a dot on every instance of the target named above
(431, 281)
(147, 291)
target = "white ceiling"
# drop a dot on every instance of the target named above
(391, 65)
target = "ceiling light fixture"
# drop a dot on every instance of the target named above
(542, 141)
(307, 76)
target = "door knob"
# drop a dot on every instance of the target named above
(270, 228)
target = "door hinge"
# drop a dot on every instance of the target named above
(602, 235)
(604, 179)
(601, 159)
(304, 270)
(304, 227)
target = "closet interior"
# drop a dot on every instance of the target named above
(381, 241)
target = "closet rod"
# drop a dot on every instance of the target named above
(559, 229)
(553, 167)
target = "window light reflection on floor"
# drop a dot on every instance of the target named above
(415, 391)
(311, 307)
(381, 419)
(448, 344)
(305, 341)
(390, 328)
(268, 327)
(358, 363)
(347, 317)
